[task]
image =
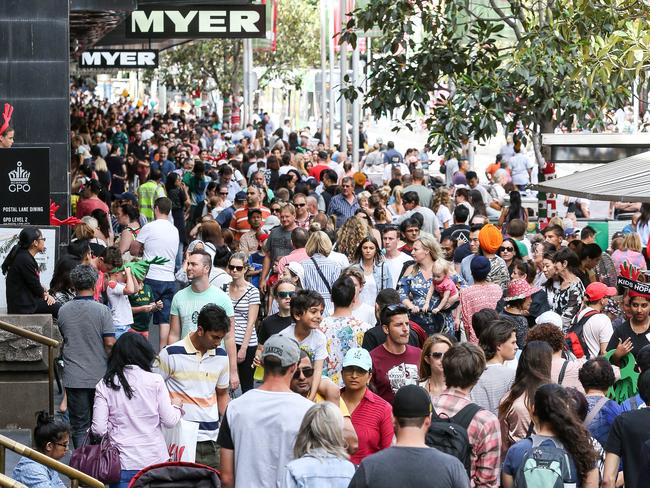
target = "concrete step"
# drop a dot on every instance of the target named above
(24, 436)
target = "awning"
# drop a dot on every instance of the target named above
(625, 180)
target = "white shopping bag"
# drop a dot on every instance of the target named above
(181, 441)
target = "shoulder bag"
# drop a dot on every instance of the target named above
(320, 273)
(101, 461)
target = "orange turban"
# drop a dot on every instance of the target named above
(490, 238)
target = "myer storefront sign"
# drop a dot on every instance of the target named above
(119, 58)
(228, 21)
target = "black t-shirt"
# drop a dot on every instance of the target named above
(624, 331)
(375, 337)
(272, 325)
(626, 439)
(423, 467)
(455, 232)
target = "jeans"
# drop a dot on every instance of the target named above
(245, 369)
(121, 329)
(125, 478)
(80, 411)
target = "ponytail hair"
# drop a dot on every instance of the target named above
(48, 429)
(556, 407)
(25, 238)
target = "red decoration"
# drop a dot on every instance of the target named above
(57, 222)
(9, 110)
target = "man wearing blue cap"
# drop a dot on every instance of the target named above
(410, 462)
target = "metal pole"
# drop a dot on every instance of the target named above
(355, 108)
(332, 102)
(343, 68)
(244, 115)
(323, 67)
(50, 378)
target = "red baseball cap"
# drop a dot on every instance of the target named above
(597, 291)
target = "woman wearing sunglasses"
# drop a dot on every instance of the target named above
(432, 377)
(509, 252)
(246, 303)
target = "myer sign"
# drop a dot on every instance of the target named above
(228, 21)
(119, 58)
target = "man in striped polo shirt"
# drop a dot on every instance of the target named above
(196, 371)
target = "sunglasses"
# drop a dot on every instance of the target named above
(306, 372)
(506, 249)
(395, 308)
(436, 355)
(275, 210)
(223, 194)
(286, 294)
(235, 268)
(299, 205)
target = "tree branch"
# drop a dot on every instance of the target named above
(507, 19)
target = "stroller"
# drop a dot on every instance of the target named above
(176, 474)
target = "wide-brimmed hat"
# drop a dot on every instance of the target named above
(518, 289)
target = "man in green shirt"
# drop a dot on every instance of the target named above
(188, 302)
(149, 192)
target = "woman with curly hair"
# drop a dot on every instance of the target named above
(440, 205)
(533, 371)
(350, 236)
(557, 425)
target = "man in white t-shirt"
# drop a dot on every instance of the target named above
(259, 429)
(598, 330)
(159, 238)
(393, 257)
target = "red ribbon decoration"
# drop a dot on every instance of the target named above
(58, 222)
(9, 110)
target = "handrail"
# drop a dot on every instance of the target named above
(73, 474)
(28, 334)
(6, 481)
(40, 339)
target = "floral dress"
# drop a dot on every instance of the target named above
(341, 334)
(415, 288)
(567, 302)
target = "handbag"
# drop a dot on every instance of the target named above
(101, 461)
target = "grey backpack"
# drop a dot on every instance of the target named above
(546, 465)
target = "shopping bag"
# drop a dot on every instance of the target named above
(181, 441)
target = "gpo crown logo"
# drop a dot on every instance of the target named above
(19, 179)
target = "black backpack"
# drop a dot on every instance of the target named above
(449, 435)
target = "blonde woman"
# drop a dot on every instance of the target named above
(440, 204)
(415, 285)
(431, 374)
(396, 208)
(246, 303)
(630, 251)
(321, 271)
(320, 458)
(298, 162)
(351, 233)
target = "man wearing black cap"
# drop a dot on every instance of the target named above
(410, 462)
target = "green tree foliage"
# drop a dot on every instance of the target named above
(298, 43)
(467, 66)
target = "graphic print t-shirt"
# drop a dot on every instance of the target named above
(392, 371)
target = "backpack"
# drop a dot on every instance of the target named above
(449, 434)
(574, 338)
(545, 466)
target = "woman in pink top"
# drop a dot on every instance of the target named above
(131, 404)
(482, 294)
(630, 251)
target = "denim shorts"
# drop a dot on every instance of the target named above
(162, 290)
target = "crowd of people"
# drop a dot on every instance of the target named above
(323, 329)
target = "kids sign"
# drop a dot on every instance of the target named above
(199, 22)
(25, 186)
